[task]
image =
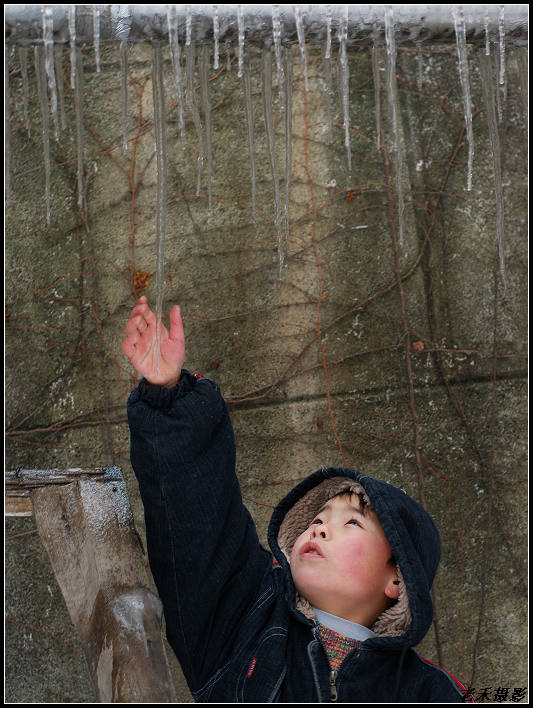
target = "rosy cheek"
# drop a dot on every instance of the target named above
(357, 561)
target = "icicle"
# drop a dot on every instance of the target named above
(343, 35)
(58, 55)
(191, 102)
(161, 161)
(240, 25)
(377, 94)
(301, 42)
(215, 36)
(7, 129)
(124, 92)
(121, 21)
(501, 32)
(188, 26)
(78, 106)
(327, 54)
(23, 57)
(276, 31)
(460, 32)
(288, 136)
(487, 33)
(176, 65)
(392, 90)
(96, 35)
(328, 77)
(488, 91)
(48, 39)
(250, 125)
(269, 130)
(40, 73)
(206, 107)
(71, 10)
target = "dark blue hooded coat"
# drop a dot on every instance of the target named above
(231, 610)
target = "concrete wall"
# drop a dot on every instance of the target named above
(405, 361)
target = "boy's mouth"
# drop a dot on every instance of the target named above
(311, 549)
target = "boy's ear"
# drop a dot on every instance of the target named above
(392, 590)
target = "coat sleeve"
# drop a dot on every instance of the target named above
(203, 548)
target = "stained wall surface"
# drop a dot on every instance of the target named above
(406, 360)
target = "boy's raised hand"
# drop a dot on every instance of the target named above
(140, 344)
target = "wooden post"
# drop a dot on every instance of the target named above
(85, 523)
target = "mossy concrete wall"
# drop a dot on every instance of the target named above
(406, 361)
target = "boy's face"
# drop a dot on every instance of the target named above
(340, 564)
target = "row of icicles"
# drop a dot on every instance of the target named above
(47, 63)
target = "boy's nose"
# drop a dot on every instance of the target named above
(322, 532)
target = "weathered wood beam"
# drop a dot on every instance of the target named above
(86, 526)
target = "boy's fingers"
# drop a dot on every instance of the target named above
(136, 315)
(142, 325)
(128, 346)
(134, 325)
(141, 302)
(176, 323)
(149, 317)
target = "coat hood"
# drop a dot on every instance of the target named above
(411, 532)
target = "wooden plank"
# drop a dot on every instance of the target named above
(18, 504)
(23, 478)
(85, 523)
(17, 485)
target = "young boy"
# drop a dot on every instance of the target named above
(331, 613)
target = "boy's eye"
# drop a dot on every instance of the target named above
(316, 521)
(354, 521)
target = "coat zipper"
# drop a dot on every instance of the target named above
(333, 696)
